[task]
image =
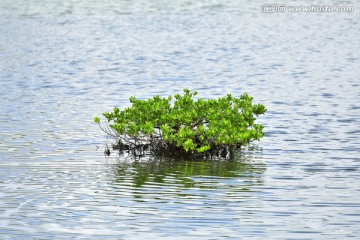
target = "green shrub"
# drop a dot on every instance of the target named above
(186, 126)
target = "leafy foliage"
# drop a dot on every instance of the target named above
(182, 124)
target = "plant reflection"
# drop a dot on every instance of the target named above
(140, 171)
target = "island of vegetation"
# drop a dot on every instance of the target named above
(182, 125)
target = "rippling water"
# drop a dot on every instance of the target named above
(64, 62)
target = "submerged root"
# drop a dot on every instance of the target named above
(170, 150)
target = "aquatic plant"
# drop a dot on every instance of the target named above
(183, 125)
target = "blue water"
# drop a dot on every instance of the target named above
(64, 62)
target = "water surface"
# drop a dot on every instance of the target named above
(62, 63)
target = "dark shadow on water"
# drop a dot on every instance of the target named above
(162, 171)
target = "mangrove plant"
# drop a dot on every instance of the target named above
(181, 124)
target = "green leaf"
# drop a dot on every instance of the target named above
(203, 149)
(97, 120)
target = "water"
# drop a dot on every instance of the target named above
(64, 62)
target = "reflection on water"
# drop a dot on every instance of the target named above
(185, 173)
